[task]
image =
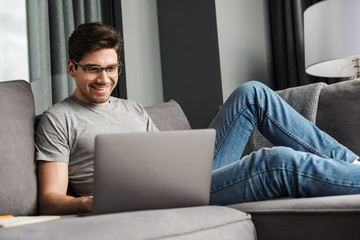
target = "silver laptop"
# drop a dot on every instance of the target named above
(143, 171)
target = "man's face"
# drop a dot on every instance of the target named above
(95, 91)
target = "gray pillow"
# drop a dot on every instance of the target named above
(18, 188)
(339, 113)
(168, 116)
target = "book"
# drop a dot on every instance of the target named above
(24, 220)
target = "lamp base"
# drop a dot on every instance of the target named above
(357, 66)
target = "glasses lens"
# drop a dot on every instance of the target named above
(93, 72)
(114, 71)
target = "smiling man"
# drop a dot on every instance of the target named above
(66, 132)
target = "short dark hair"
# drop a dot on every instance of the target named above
(89, 37)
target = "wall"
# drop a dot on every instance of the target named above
(244, 42)
(142, 52)
(190, 57)
(244, 46)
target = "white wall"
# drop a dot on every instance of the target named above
(142, 51)
(244, 42)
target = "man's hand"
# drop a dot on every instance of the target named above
(85, 204)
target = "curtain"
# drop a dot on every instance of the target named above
(112, 16)
(287, 37)
(49, 24)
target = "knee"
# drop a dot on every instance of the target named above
(276, 157)
(251, 91)
(251, 88)
(253, 84)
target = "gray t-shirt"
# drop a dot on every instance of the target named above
(66, 133)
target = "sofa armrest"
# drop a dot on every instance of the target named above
(208, 222)
(18, 188)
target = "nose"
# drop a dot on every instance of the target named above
(103, 78)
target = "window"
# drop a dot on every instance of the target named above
(14, 63)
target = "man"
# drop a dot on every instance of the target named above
(65, 134)
(311, 163)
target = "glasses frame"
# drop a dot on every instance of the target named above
(101, 69)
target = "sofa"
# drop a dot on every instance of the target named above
(333, 108)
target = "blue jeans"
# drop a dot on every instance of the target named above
(305, 161)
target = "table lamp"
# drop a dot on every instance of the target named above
(332, 39)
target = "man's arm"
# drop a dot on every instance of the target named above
(53, 183)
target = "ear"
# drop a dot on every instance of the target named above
(71, 68)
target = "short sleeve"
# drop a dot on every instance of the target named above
(51, 139)
(150, 127)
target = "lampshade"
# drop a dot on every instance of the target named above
(332, 38)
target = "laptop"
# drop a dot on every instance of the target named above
(159, 170)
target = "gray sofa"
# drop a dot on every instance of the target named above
(334, 107)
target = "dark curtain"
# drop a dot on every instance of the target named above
(287, 37)
(111, 12)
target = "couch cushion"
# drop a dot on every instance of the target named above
(328, 204)
(18, 188)
(168, 116)
(339, 113)
(209, 222)
(332, 217)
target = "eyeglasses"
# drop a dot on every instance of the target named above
(93, 71)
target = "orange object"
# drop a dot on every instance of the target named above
(6, 216)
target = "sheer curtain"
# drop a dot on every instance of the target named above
(50, 24)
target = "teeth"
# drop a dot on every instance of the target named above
(100, 88)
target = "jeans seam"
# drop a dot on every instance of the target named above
(231, 124)
(294, 137)
(282, 169)
(355, 158)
